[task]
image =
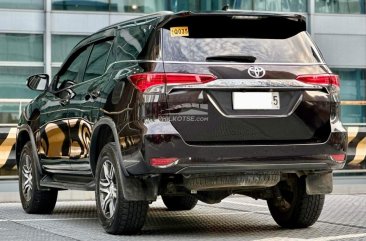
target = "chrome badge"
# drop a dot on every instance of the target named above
(256, 72)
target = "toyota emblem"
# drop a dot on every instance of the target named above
(256, 72)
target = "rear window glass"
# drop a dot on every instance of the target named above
(267, 40)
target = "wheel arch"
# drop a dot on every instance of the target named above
(134, 189)
(22, 139)
(104, 131)
(24, 135)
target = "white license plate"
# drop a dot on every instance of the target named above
(256, 100)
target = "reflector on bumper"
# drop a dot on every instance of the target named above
(163, 162)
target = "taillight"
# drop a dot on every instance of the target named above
(320, 79)
(143, 81)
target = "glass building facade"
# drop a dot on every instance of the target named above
(149, 6)
(24, 52)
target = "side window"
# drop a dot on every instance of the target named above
(71, 74)
(97, 60)
(131, 41)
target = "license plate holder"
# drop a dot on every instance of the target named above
(256, 100)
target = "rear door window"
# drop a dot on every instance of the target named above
(98, 59)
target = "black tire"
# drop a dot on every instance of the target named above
(128, 217)
(180, 203)
(303, 210)
(34, 201)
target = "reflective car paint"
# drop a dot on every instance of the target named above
(307, 127)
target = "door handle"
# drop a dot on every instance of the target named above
(64, 102)
(92, 95)
(95, 94)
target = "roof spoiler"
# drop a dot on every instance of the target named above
(236, 14)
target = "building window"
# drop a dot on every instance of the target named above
(150, 6)
(13, 88)
(340, 6)
(62, 45)
(139, 6)
(22, 4)
(255, 5)
(21, 47)
(280, 6)
(81, 5)
(21, 55)
(353, 95)
(13, 80)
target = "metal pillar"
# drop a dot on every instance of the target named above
(47, 38)
(311, 11)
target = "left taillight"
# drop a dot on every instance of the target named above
(320, 79)
(144, 81)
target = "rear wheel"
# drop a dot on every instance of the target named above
(33, 200)
(180, 203)
(297, 209)
(117, 215)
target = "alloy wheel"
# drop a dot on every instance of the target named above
(108, 189)
(27, 178)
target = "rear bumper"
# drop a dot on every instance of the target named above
(196, 159)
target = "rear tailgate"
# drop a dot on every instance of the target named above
(255, 98)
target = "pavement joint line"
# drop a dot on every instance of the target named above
(44, 219)
(268, 213)
(197, 215)
(346, 236)
(324, 238)
(214, 214)
(44, 229)
(180, 215)
(245, 204)
(342, 224)
(234, 209)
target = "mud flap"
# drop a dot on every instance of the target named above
(135, 189)
(319, 183)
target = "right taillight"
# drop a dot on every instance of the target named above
(144, 81)
(320, 79)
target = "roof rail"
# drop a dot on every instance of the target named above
(151, 15)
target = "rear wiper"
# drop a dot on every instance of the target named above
(233, 58)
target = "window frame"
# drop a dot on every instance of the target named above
(86, 44)
(67, 64)
(110, 38)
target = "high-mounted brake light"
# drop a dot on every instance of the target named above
(143, 81)
(320, 79)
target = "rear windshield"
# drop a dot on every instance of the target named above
(239, 39)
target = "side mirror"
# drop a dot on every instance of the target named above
(38, 82)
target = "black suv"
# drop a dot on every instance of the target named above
(189, 106)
